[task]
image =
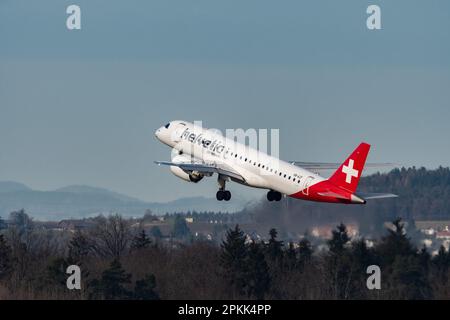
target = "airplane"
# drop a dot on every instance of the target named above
(199, 152)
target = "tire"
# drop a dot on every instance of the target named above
(226, 195)
(277, 196)
(220, 195)
(270, 196)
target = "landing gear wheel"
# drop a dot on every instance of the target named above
(273, 196)
(226, 195)
(277, 196)
(220, 195)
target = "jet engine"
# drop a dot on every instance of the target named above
(187, 176)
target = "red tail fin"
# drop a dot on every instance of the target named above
(348, 174)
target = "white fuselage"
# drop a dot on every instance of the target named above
(258, 169)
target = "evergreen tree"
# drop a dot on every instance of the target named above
(111, 284)
(441, 263)
(360, 258)
(141, 241)
(145, 289)
(6, 258)
(257, 277)
(339, 239)
(233, 259)
(408, 279)
(180, 228)
(338, 264)
(424, 258)
(305, 252)
(156, 233)
(274, 247)
(3, 224)
(406, 269)
(439, 273)
(396, 243)
(291, 256)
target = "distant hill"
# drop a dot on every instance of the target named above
(82, 189)
(11, 186)
(423, 195)
(82, 201)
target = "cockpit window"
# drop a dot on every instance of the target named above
(167, 126)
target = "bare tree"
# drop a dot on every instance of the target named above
(111, 237)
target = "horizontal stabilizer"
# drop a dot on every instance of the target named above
(371, 195)
(334, 166)
(332, 194)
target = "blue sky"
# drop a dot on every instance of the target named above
(80, 107)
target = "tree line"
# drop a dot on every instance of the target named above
(121, 262)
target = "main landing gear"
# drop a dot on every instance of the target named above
(222, 194)
(273, 196)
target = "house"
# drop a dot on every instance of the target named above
(428, 231)
(326, 231)
(444, 234)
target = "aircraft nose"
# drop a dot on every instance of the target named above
(158, 132)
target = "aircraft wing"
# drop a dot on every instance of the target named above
(203, 167)
(332, 165)
(372, 195)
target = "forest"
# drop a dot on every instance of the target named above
(119, 259)
(117, 263)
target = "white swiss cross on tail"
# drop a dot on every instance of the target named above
(349, 171)
(348, 174)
